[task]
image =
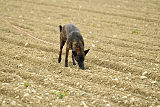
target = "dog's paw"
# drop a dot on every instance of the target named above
(74, 63)
(59, 60)
(66, 65)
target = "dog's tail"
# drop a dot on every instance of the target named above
(60, 28)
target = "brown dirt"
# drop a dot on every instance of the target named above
(122, 67)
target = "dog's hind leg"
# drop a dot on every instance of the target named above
(62, 42)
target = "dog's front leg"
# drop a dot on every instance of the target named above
(66, 58)
(74, 63)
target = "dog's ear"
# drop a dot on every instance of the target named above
(60, 28)
(86, 51)
(74, 53)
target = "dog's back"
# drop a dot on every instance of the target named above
(74, 36)
(69, 28)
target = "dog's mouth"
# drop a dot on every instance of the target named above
(81, 66)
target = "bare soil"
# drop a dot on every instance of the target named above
(122, 66)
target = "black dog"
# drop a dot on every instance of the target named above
(75, 42)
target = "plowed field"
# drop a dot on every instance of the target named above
(122, 66)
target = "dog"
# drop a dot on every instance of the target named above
(71, 34)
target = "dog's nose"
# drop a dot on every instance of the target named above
(82, 68)
(81, 65)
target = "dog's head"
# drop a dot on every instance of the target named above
(80, 57)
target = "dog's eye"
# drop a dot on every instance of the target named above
(81, 58)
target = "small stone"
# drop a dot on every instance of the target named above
(104, 68)
(20, 65)
(153, 82)
(113, 86)
(5, 84)
(26, 94)
(124, 63)
(154, 68)
(126, 78)
(80, 86)
(47, 94)
(156, 64)
(124, 97)
(88, 70)
(39, 97)
(122, 89)
(144, 73)
(116, 79)
(17, 57)
(93, 45)
(143, 77)
(83, 93)
(13, 103)
(108, 105)
(20, 16)
(134, 53)
(129, 95)
(113, 97)
(77, 83)
(132, 99)
(26, 44)
(17, 97)
(3, 102)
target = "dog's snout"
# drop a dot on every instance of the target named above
(81, 65)
(82, 68)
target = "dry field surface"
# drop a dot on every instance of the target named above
(122, 66)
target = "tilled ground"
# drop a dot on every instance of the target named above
(122, 67)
